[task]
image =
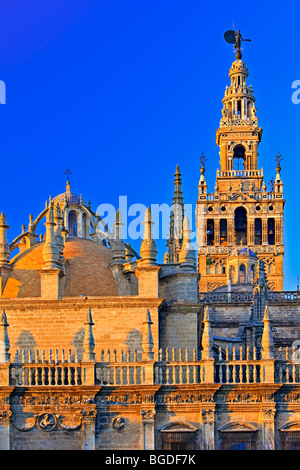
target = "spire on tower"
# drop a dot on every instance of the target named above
(176, 221)
(51, 250)
(202, 187)
(177, 199)
(147, 340)
(117, 243)
(267, 341)
(88, 340)
(148, 246)
(4, 246)
(207, 337)
(187, 257)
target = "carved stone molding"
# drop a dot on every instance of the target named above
(208, 416)
(67, 427)
(268, 414)
(88, 416)
(185, 397)
(47, 422)
(148, 416)
(5, 416)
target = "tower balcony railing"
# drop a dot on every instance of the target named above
(240, 173)
(269, 196)
(272, 296)
(258, 196)
(226, 122)
(213, 297)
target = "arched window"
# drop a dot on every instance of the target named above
(271, 231)
(238, 436)
(72, 225)
(243, 276)
(290, 436)
(239, 157)
(223, 232)
(210, 232)
(258, 232)
(240, 226)
(178, 436)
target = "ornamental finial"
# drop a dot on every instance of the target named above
(278, 159)
(68, 172)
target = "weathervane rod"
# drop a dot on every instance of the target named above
(68, 172)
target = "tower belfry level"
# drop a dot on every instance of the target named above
(242, 216)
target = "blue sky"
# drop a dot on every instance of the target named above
(120, 92)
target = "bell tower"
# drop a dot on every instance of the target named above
(239, 134)
(242, 216)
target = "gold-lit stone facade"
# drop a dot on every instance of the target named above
(105, 348)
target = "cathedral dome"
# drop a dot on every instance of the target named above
(67, 196)
(87, 272)
(246, 251)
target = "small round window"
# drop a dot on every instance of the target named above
(210, 208)
(271, 207)
(258, 208)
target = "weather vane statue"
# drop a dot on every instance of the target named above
(233, 37)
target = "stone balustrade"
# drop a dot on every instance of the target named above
(238, 366)
(32, 369)
(119, 373)
(173, 367)
(287, 369)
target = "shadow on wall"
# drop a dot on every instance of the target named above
(78, 343)
(134, 343)
(26, 341)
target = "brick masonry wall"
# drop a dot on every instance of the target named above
(179, 286)
(179, 327)
(129, 437)
(285, 318)
(40, 440)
